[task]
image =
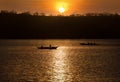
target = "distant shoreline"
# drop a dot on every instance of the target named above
(59, 27)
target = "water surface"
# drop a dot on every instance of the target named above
(21, 61)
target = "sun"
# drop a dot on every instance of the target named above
(61, 9)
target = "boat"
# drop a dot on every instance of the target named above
(50, 47)
(89, 44)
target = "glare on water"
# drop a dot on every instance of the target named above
(60, 67)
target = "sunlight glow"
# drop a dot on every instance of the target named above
(61, 9)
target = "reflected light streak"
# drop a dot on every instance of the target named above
(60, 68)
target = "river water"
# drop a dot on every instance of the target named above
(21, 61)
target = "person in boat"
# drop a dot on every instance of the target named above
(50, 46)
(41, 46)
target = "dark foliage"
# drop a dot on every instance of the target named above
(37, 26)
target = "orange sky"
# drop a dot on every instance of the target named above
(50, 6)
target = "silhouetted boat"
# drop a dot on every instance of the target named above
(89, 44)
(50, 47)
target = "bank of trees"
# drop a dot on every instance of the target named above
(38, 25)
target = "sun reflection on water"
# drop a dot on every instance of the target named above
(60, 68)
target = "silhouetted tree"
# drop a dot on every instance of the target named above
(42, 14)
(90, 14)
(26, 13)
(36, 14)
(4, 12)
(13, 12)
(72, 15)
(116, 14)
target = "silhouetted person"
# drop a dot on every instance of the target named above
(41, 46)
(50, 45)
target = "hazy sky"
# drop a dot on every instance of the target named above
(72, 6)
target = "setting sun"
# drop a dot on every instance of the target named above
(61, 9)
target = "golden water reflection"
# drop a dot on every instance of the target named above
(61, 66)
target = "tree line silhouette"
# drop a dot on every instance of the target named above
(34, 26)
(5, 12)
